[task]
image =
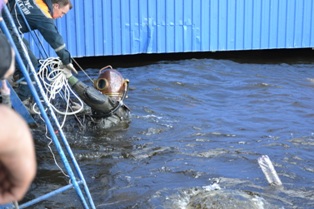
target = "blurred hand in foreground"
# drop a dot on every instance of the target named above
(17, 156)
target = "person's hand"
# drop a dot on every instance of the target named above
(5, 90)
(5, 94)
(17, 156)
(66, 72)
(70, 67)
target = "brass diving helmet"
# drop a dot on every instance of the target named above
(111, 83)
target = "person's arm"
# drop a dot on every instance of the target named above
(51, 34)
(17, 156)
(5, 93)
(47, 28)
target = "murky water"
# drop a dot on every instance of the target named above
(198, 123)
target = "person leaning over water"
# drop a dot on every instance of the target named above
(17, 152)
(40, 15)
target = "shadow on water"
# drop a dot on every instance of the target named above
(198, 126)
(255, 56)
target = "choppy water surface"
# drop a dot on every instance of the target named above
(200, 123)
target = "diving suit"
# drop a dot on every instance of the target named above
(105, 99)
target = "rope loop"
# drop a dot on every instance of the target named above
(55, 83)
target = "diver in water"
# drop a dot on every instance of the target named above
(106, 108)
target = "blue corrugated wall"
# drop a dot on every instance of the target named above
(123, 27)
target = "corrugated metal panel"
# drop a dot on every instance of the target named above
(121, 27)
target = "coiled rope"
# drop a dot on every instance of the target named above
(55, 83)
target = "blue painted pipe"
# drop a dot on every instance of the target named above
(45, 117)
(61, 132)
(47, 196)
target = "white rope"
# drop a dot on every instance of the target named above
(55, 83)
(19, 30)
(52, 153)
(52, 91)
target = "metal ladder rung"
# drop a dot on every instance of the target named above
(73, 170)
(48, 195)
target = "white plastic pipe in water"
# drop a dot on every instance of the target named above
(269, 170)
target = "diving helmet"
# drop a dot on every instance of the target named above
(111, 83)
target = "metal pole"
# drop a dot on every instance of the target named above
(48, 123)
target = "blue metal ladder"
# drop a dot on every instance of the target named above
(73, 170)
